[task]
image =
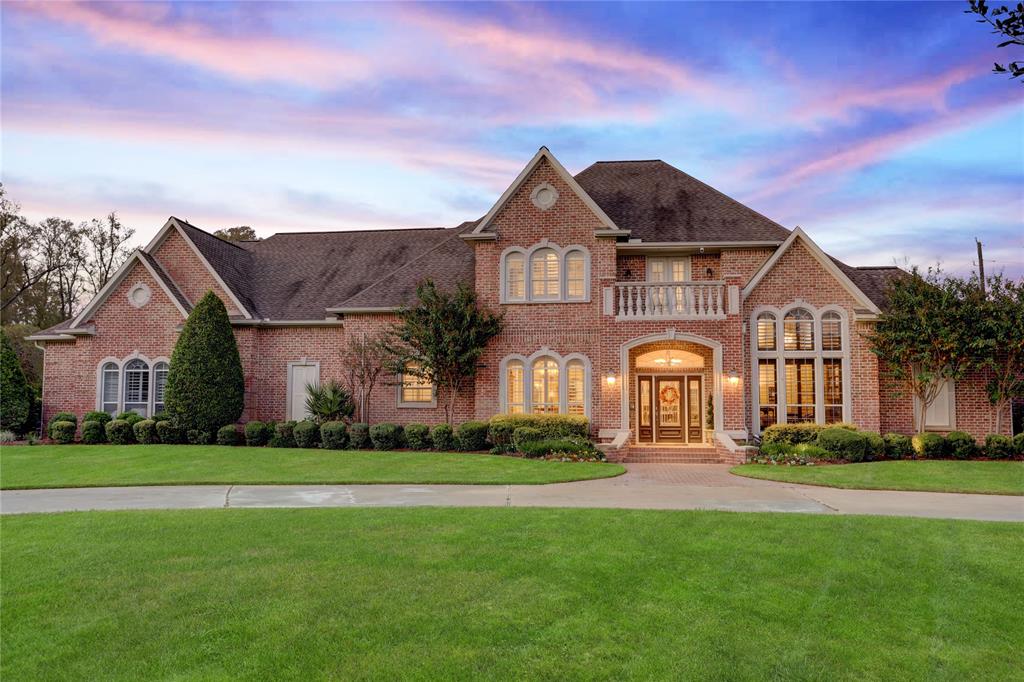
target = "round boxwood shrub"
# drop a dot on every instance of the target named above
(793, 434)
(307, 434)
(167, 433)
(443, 438)
(359, 436)
(334, 435)
(472, 436)
(198, 437)
(386, 436)
(524, 435)
(119, 432)
(875, 445)
(63, 432)
(998, 447)
(145, 431)
(93, 433)
(205, 385)
(257, 434)
(228, 435)
(132, 418)
(843, 444)
(60, 417)
(961, 445)
(284, 435)
(418, 436)
(929, 446)
(898, 446)
(96, 416)
(15, 396)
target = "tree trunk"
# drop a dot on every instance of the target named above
(923, 414)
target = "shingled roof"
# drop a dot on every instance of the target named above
(660, 203)
(167, 281)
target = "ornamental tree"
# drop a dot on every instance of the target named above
(14, 390)
(441, 338)
(364, 360)
(1003, 330)
(205, 385)
(929, 334)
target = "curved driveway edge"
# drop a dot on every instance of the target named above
(642, 487)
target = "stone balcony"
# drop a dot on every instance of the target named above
(698, 300)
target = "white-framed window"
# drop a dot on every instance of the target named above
(132, 384)
(668, 268)
(160, 371)
(110, 394)
(545, 273)
(801, 366)
(415, 391)
(545, 383)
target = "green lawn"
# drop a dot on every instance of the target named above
(508, 593)
(995, 478)
(64, 466)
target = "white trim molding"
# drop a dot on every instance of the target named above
(563, 379)
(116, 279)
(817, 354)
(563, 273)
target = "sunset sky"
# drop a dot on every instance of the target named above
(878, 128)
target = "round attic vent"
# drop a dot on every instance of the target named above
(139, 295)
(544, 196)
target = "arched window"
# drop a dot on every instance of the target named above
(575, 376)
(831, 331)
(515, 276)
(160, 371)
(136, 387)
(544, 274)
(545, 386)
(575, 275)
(798, 330)
(766, 331)
(515, 387)
(109, 380)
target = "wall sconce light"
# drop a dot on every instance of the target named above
(734, 378)
(611, 378)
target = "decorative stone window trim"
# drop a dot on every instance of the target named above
(816, 354)
(562, 361)
(139, 295)
(117, 368)
(563, 254)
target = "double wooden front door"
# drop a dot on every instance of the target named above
(670, 409)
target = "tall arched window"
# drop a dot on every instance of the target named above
(831, 331)
(575, 382)
(798, 330)
(136, 387)
(766, 331)
(545, 386)
(515, 387)
(575, 275)
(160, 371)
(515, 277)
(544, 274)
(110, 378)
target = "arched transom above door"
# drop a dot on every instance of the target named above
(669, 358)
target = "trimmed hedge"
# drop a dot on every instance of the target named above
(524, 435)
(501, 428)
(570, 447)
(96, 416)
(257, 434)
(929, 445)
(898, 446)
(875, 445)
(443, 437)
(472, 436)
(60, 417)
(1018, 444)
(119, 432)
(145, 432)
(198, 437)
(843, 443)
(132, 418)
(998, 447)
(417, 436)
(93, 433)
(228, 435)
(961, 445)
(63, 432)
(284, 435)
(307, 434)
(792, 434)
(386, 436)
(168, 433)
(334, 435)
(359, 436)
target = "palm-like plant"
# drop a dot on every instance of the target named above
(328, 402)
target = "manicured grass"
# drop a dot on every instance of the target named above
(508, 594)
(995, 478)
(65, 466)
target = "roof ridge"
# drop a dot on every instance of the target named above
(209, 234)
(633, 161)
(400, 268)
(376, 229)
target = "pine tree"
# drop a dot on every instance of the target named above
(205, 385)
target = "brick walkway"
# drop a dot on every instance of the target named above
(707, 475)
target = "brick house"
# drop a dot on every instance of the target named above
(676, 318)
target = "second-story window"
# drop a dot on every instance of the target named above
(545, 273)
(575, 274)
(515, 277)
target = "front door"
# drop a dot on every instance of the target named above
(668, 418)
(669, 409)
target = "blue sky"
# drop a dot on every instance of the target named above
(877, 127)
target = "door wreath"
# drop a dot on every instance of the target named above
(668, 395)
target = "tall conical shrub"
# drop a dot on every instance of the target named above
(205, 385)
(14, 392)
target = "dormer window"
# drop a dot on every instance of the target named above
(545, 273)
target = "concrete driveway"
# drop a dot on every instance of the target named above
(644, 486)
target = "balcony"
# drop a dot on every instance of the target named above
(706, 300)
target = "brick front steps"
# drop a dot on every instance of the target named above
(638, 454)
